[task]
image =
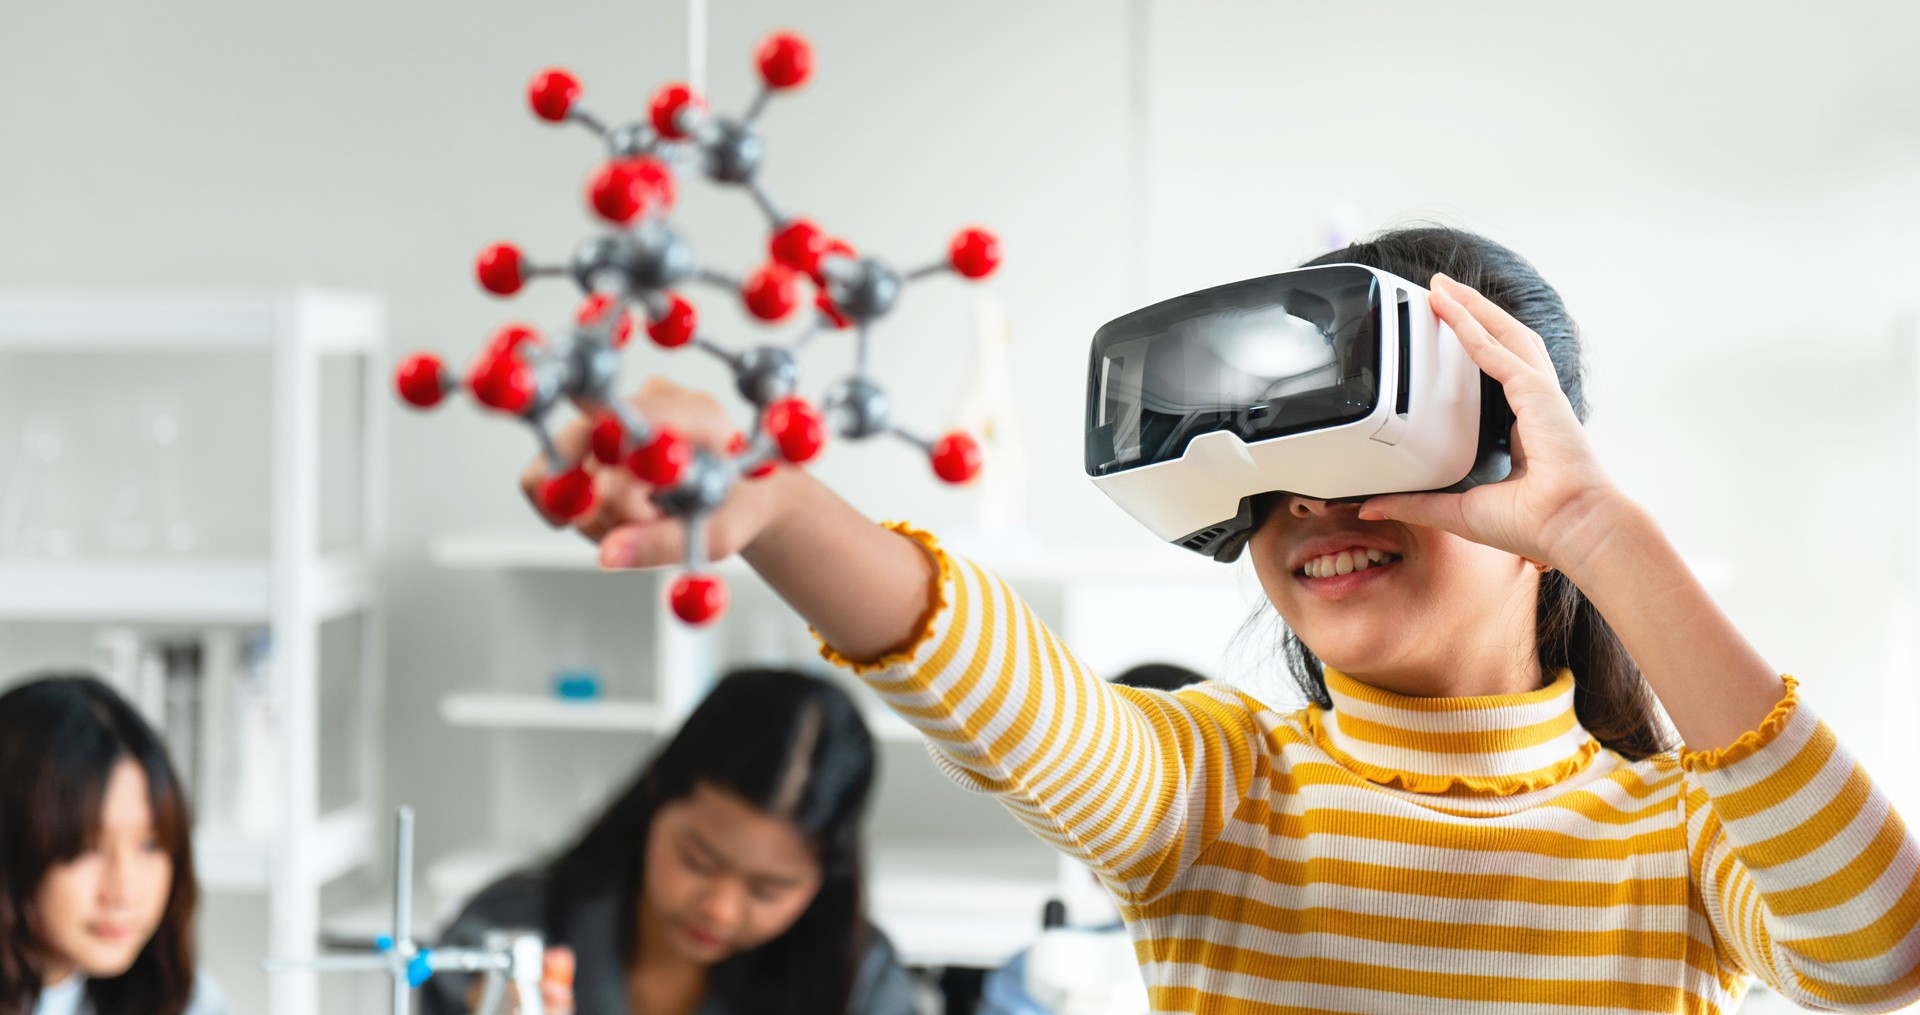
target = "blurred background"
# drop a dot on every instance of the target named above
(339, 606)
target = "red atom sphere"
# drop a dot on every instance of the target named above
(625, 189)
(785, 60)
(798, 244)
(608, 438)
(737, 446)
(501, 269)
(667, 105)
(956, 457)
(974, 253)
(421, 380)
(797, 427)
(830, 311)
(503, 383)
(676, 327)
(661, 461)
(698, 598)
(655, 176)
(568, 495)
(770, 292)
(552, 94)
(508, 340)
(594, 308)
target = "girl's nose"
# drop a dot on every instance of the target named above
(724, 904)
(113, 879)
(1306, 507)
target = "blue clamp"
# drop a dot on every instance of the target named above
(384, 943)
(419, 969)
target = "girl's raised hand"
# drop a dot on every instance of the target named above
(1550, 509)
(631, 530)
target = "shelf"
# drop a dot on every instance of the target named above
(488, 710)
(540, 712)
(230, 861)
(162, 590)
(533, 552)
(293, 337)
(82, 320)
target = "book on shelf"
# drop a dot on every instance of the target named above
(211, 698)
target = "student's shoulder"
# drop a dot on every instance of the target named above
(1268, 712)
(516, 900)
(881, 986)
(207, 998)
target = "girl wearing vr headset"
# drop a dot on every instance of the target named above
(1481, 803)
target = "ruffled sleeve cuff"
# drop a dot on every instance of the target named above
(1751, 741)
(939, 597)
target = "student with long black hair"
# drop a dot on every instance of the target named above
(726, 880)
(97, 890)
(1482, 803)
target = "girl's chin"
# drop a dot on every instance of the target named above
(1353, 660)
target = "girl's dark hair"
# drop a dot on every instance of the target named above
(1610, 697)
(756, 734)
(61, 737)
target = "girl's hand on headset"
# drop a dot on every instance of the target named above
(1557, 505)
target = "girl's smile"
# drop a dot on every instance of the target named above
(1411, 609)
(1336, 564)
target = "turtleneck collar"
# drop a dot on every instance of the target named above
(1495, 744)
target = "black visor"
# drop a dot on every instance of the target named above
(1262, 358)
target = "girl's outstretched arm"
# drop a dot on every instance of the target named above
(1810, 878)
(863, 588)
(1135, 783)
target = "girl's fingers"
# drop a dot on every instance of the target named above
(1499, 362)
(1445, 511)
(556, 981)
(643, 544)
(1504, 328)
(619, 498)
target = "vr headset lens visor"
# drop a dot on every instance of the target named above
(1262, 358)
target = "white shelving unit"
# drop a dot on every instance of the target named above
(290, 591)
(685, 658)
(962, 903)
(680, 653)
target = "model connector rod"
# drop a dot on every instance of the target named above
(635, 270)
(506, 958)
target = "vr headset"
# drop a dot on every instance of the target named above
(1335, 382)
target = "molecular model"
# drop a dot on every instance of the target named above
(638, 263)
(507, 957)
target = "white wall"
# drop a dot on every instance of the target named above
(1725, 193)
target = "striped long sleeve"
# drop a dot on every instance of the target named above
(1396, 854)
(1133, 783)
(1810, 877)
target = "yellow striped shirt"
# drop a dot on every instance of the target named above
(1399, 854)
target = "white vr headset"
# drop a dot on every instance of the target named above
(1335, 382)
